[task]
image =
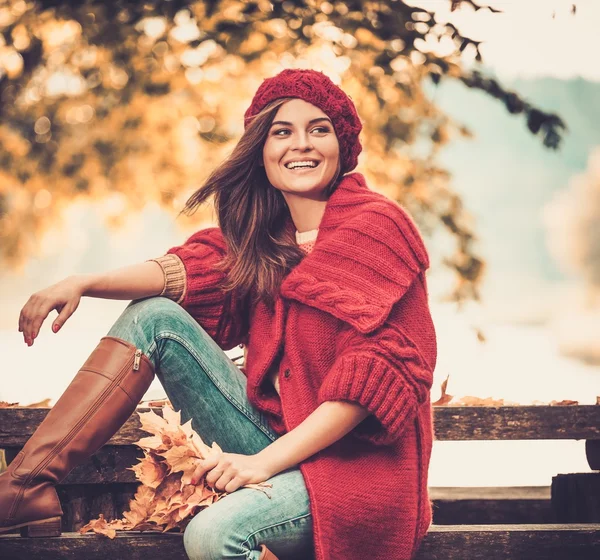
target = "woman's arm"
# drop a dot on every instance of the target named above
(130, 282)
(328, 423)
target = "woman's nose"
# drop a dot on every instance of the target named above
(301, 141)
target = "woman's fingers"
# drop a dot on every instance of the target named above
(208, 463)
(64, 313)
(203, 467)
(28, 314)
(63, 297)
(37, 321)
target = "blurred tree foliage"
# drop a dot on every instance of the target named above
(130, 102)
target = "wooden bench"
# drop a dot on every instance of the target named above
(468, 522)
(466, 542)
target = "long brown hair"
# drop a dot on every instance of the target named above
(252, 215)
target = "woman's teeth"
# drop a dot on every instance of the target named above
(302, 168)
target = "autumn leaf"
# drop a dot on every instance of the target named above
(100, 526)
(152, 422)
(41, 404)
(180, 458)
(171, 417)
(478, 401)
(149, 471)
(155, 443)
(444, 399)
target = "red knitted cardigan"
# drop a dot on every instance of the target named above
(352, 321)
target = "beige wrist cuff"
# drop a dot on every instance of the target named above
(175, 277)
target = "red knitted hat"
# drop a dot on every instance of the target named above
(316, 88)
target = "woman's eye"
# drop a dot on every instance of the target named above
(318, 128)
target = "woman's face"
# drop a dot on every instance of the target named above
(301, 132)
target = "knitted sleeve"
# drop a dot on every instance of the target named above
(221, 314)
(387, 374)
(174, 273)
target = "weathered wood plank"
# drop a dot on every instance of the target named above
(451, 506)
(517, 542)
(517, 422)
(18, 424)
(576, 497)
(108, 465)
(479, 542)
(492, 505)
(450, 423)
(489, 492)
(82, 502)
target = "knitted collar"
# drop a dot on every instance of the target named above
(367, 253)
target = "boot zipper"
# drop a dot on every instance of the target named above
(58, 448)
(136, 360)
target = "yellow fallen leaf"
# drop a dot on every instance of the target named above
(149, 471)
(444, 399)
(99, 526)
(41, 404)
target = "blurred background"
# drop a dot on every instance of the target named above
(483, 121)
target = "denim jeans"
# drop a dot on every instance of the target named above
(202, 382)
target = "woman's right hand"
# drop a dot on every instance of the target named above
(64, 297)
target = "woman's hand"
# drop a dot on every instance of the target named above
(230, 471)
(64, 296)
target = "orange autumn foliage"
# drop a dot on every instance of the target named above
(447, 400)
(166, 499)
(42, 404)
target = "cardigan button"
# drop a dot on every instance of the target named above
(286, 373)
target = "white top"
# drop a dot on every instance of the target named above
(306, 236)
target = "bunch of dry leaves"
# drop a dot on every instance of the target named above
(166, 499)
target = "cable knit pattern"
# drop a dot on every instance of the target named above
(330, 296)
(358, 274)
(316, 88)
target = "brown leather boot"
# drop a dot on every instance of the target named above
(266, 554)
(101, 397)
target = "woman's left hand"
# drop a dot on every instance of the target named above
(230, 471)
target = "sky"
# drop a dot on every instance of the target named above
(526, 40)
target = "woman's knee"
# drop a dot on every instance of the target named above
(207, 537)
(152, 313)
(143, 321)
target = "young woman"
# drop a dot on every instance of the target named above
(323, 281)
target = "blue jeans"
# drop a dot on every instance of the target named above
(202, 382)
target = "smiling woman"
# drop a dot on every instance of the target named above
(340, 342)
